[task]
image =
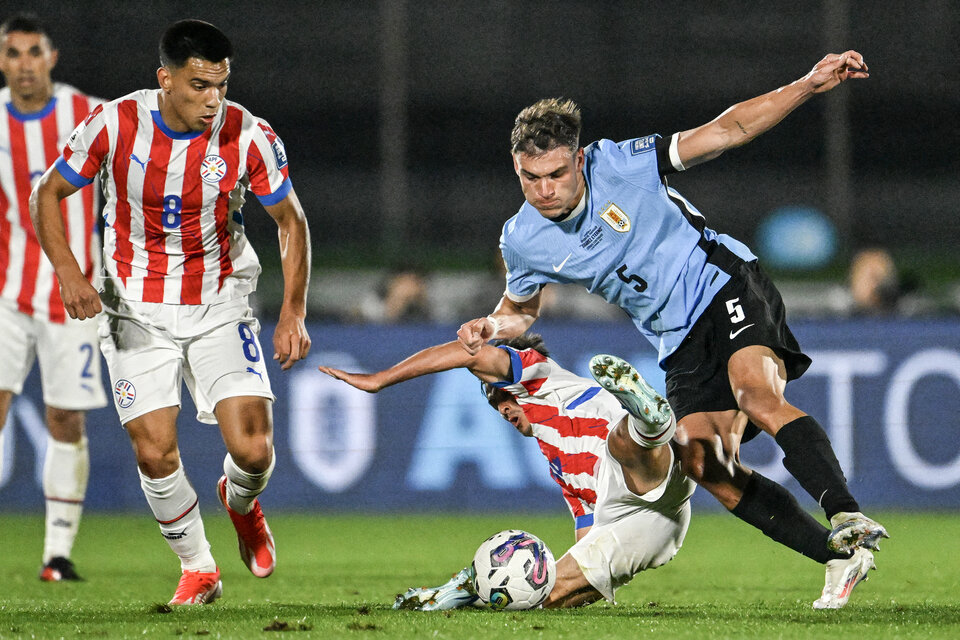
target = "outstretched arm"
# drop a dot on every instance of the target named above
(744, 121)
(80, 298)
(290, 339)
(508, 320)
(490, 364)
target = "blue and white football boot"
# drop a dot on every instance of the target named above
(654, 423)
(456, 593)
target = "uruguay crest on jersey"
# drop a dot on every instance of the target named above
(616, 218)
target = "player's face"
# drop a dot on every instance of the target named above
(512, 412)
(192, 94)
(26, 61)
(552, 182)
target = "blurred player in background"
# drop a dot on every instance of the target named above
(36, 116)
(605, 450)
(603, 217)
(624, 488)
(177, 162)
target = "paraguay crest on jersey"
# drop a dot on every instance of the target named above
(212, 169)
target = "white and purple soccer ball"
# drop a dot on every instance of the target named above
(515, 570)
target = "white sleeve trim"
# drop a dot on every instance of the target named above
(515, 298)
(674, 154)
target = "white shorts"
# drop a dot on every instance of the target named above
(631, 533)
(69, 362)
(152, 348)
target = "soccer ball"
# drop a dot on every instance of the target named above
(515, 570)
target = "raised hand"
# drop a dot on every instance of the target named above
(836, 68)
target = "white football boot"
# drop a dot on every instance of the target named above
(842, 576)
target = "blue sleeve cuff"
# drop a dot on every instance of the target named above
(516, 369)
(586, 520)
(276, 196)
(70, 175)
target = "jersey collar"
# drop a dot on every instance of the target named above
(170, 133)
(577, 210)
(36, 115)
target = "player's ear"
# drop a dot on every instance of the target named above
(516, 165)
(54, 56)
(580, 161)
(164, 79)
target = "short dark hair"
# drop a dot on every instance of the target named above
(525, 341)
(193, 39)
(546, 125)
(25, 22)
(496, 395)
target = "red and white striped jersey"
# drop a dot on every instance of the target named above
(571, 417)
(173, 228)
(29, 143)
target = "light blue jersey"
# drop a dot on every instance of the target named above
(637, 243)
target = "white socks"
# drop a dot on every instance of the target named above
(242, 487)
(66, 469)
(650, 436)
(175, 506)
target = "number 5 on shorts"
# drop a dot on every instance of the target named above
(735, 311)
(251, 350)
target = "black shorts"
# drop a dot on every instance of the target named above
(747, 311)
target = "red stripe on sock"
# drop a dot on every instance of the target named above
(64, 500)
(192, 507)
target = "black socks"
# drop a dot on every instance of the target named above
(809, 458)
(771, 509)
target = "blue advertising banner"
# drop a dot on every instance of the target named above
(886, 391)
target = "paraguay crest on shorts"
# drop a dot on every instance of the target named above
(616, 218)
(212, 169)
(125, 393)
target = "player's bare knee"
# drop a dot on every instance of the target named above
(762, 406)
(692, 460)
(6, 399)
(722, 481)
(254, 457)
(725, 492)
(65, 425)
(621, 445)
(155, 463)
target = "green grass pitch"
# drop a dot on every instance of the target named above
(337, 575)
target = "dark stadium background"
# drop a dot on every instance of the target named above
(396, 117)
(415, 99)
